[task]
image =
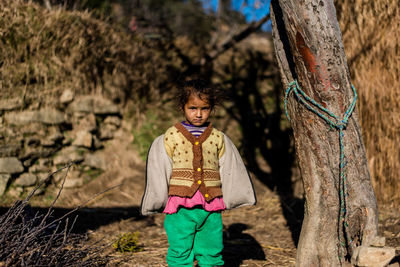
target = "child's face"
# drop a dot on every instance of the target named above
(197, 110)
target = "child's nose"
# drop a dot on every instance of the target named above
(198, 113)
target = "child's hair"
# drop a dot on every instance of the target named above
(200, 88)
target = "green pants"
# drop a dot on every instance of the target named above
(194, 233)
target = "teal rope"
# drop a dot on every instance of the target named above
(336, 123)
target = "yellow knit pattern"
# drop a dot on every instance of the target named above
(179, 149)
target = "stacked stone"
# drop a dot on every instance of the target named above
(35, 141)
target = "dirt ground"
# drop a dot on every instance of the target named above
(254, 236)
(261, 235)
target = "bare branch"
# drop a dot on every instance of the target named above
(34, 239)
(252, 27)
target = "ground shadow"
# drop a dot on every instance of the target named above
(86, 218)
(239, 246)
(395, 260)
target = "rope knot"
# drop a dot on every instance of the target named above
(342, 124)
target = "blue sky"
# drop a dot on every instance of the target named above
(253, 10)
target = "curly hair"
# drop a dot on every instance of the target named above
(200, 88)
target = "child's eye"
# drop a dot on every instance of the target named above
(206, 108)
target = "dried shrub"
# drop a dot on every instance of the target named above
(371, 30)
(47, 51)
(127, 242)
(34, 239)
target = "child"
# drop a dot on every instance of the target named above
(193, 173)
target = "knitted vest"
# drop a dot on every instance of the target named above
(195, 161)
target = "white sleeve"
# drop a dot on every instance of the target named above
(237, 188)
(158, 174)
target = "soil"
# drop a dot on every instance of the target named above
(261, 235)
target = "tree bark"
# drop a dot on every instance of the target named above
(309, 48)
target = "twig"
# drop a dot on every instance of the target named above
(252, 27)
(28, 239)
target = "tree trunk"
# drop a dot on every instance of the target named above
(309, 49)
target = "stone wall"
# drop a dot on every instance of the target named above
(35, 140)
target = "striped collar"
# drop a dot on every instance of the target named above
(190, 137)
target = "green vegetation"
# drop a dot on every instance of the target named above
(154, 123)
(90, 174)
(128, 242)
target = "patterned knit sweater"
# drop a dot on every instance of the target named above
(195, 161)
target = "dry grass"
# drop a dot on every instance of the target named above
(253, 236)
(45, 52)
(371, 30)
(29, 238)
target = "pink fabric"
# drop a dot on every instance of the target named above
(174, 202)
